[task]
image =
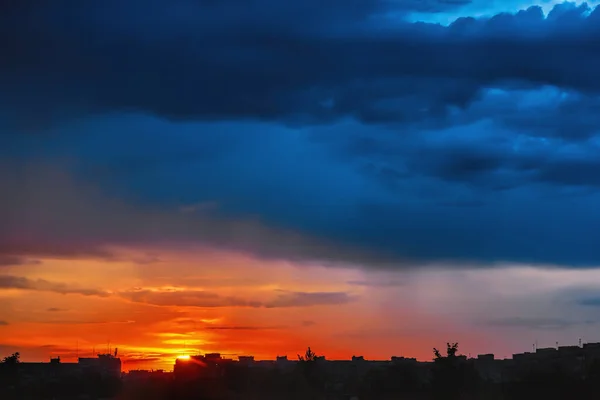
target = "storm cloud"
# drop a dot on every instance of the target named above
(346, 134)
(296, 63)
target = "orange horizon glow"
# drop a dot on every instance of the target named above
(205, 301)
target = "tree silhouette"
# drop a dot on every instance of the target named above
(15, 358)
(9, 376)
(451, 350)
(452, 375)
(308, 356)
(311, 370)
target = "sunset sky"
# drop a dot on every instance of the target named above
(253, 177)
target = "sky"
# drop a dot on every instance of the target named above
(366, 177)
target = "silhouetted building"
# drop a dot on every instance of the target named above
(209, 366)
(104, 364)
(398, 360)
(282, 360)
(246, 360)
(148, 375)
(47, 371)
(485, 357)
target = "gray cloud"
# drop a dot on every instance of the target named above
(537, 323)
(206, 299)
(186, 298)
(9, 260)
(13, 248)
(309, 299)
(3, 323)
(379, 283)
(42, 285)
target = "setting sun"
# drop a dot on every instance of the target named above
(184, 357)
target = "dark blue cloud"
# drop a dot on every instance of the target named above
(448, 205)
(592, 301)
(370, 140)
(274, 61)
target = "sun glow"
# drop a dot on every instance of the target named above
(184, 357)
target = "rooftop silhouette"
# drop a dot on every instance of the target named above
(449, 375)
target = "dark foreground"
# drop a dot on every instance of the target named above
(308, 381)
(448, 377)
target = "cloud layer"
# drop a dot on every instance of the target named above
(183, 297)
(19, 282)
(195, 60)
(340, 134)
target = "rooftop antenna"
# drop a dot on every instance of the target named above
(579, 342)
(557, 345)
